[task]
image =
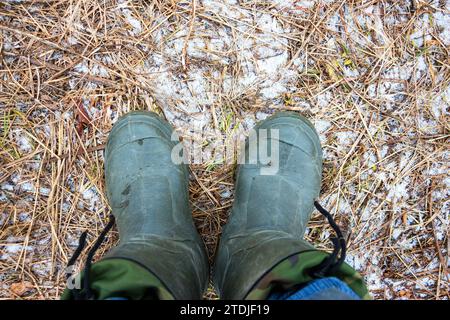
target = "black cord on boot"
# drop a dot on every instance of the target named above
(87, 294)
(331, 263)
(73, 259)
(90, 256)
(76, 254)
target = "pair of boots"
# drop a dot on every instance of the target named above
(160, 254)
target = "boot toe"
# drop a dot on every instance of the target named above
(296, 131)
(136, 127)
(299, 149)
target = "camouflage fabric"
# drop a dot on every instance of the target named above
(292, 273)
(121, 278)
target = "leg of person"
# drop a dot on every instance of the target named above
(160, 254)
(262, 253)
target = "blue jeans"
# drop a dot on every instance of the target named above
(321, 289)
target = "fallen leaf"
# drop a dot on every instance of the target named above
(82, 117)
(331, 72)
(19, 288)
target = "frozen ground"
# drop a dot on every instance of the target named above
(372, 76)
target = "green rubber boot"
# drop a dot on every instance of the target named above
(270, 211)
(262, 251)
(148, 194)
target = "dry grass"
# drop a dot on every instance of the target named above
(68, 68)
